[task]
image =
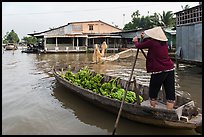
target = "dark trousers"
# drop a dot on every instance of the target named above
(165, 78)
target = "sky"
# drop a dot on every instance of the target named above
(30, 17)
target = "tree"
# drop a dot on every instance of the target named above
(167, 18)
(146, 22)
(135, 14)
(155, 20)
(134, 24)
(30, 40)
(185, 7)
(128, 26)
(5, 41)
(11, 37)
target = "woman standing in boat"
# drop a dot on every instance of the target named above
(159, 65)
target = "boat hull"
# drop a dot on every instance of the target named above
(139, 113)
(8, 47)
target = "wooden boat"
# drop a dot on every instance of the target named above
(11, 46)
(185, 114)
(30, 51)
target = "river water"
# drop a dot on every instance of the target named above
(33, 103)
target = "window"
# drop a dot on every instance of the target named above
(90, 27)
(190, 16)
(50, 41)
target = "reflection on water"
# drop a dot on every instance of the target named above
(34, 103)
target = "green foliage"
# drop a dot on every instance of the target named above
(129, 26)
(11, 37)
(30, 40)
(86, 79)
(167, 18)
(146, 22)
(155, 20)
(185, 7)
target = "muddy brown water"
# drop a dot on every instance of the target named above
(33, 103)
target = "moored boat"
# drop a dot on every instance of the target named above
(185, 114)
(11, 46)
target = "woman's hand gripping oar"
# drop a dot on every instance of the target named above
(127, 86)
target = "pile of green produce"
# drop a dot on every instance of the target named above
(86, 79)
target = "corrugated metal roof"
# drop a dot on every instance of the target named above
(169, 30)
(37, 33)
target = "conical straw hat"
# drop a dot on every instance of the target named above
(156, 33)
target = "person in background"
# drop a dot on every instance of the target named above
(97, 54)
(159, 64)
(104, 46)
(142, 37)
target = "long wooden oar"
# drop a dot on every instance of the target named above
(144, 54)
(127, 86)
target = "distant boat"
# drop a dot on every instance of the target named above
(11, 46)
(30, 50)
